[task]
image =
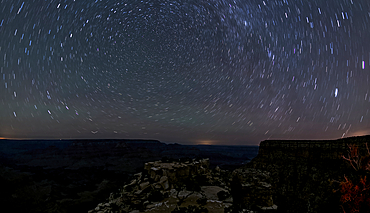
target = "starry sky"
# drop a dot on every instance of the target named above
(231, 72)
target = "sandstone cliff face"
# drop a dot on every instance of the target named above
(303, 173)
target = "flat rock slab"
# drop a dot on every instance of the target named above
(211, 192)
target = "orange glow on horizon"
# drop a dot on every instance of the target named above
(359, 133)
(206, 142)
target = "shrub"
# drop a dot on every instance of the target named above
(355, 191)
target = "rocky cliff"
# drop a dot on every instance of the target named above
(164, 186)
(304, 173)
(190, 186)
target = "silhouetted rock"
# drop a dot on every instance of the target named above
(172, 186)
(302, 172)
(165, 185)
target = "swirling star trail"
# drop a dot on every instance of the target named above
(222, 71)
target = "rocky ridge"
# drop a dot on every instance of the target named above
(170, 186)
(305, 174)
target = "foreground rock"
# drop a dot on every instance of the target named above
(170, 186)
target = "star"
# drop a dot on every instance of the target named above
(226, 71)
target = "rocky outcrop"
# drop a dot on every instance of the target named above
(304, 174)
(310, 150)
(175, 172)
(165, 186)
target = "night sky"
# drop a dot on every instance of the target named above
(192, 72)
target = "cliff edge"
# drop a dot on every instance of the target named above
(305, 173)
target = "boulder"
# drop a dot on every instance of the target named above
(164, 182)
(158, 186)
(144, 185)
(138, 192)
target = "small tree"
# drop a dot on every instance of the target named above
(356, 190)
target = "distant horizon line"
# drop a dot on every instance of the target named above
(129, 139)
(167, 142)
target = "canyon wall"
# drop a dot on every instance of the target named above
(305, 174)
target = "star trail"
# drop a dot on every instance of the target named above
(214, 72)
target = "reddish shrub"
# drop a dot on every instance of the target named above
(355, 192)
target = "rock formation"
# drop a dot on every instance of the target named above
(165, 186)
(175, 172)
(304, 174)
